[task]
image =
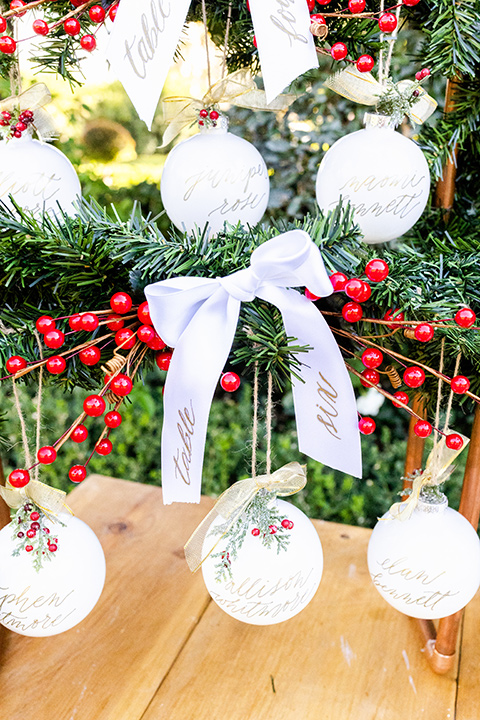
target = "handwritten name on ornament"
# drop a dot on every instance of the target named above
(401, 205)
(13, 606)
(328, 397)
(213, 177)
(139, 52)
(257, 597)
(38, 184)
(428, 598)
(183, 456)
(285, 21)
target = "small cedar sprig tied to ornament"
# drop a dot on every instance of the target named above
(209, 117)
(33, 532)
(398, 101)
(269, 526)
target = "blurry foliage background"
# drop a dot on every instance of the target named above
(119, 162)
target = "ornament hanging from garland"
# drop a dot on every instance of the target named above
(213, 178)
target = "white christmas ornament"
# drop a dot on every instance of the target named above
(37, 175)
(429, 565)
(268, 586)
(383, 175)
(62, 592)
(214, 177)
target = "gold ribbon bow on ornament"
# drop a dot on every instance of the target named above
(437, 470)
(238, 88)
(232, 503)
(50, 500)
(363, 88)
(33, 99)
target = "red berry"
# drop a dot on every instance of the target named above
(157, 343)
(104, 447)
(96, 14)
(163, 359)
(255, 532)
(31, 533)
(121, 302)
(418, 75)
(424, 73)
(6, 115)
(77, 3)
(356, 6)
(387, 22)
(286, 523)
(414, 376)
(7, 44)
(90, 355)
(20, 126)
(44, 324)
(77, 473)
(230, 381)
(291, 524)
(15, 363)
(113, 419)
(54, 339)
(352, 312)
(454, 441)
(365, 63)
(323, 2)
(47, 455)
(113, 12)
(460, 384)
(94, 405)
(88, 322)
(310, 296)
(338, 281)
(354, 288)
(75, 321)
(71, 26)
(146, 333)
(422, 428)
(56, 364)
(371, 376)
(34, 515)
(121, 385)
(310, 5)
(125, 338)
(410, 3)
(398, 318)
(144, 314)
(214, 115)
(16, 4)
(402, 397)
(79, 434)
(203, 113)
(88, 43)
(317, 18)
(338, 51)
(372, 358)
(3, 24)
(40, 27)
(365, 292)
(52, 547)
(28, 548)
(115, 322)
(273, 529)
(16, 133)
(366, 425)
(465, 317)
(377, 270)
(424, 332)
(19, 478)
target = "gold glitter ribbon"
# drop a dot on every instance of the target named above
(33, 99)
(363, 88)
(232, 503)
(238, 88)
(50, 500)
(437, 470)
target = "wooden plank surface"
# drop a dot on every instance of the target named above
(468, 698)
(110, 665)
(347, 656)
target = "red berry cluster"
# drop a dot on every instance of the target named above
(273, 529)
(16, 122)
(208, 117)
(33, 534)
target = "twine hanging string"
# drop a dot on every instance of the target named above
(205, 28)
(380, 55)
(39, 404)
(255, 422)
(391, 42)
(450, 397)
(225, 44)
(439, 393)
(26, 449)
(268, 419)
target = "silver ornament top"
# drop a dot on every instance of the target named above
(431, 500)
(374, 120)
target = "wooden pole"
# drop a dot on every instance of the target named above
(415, 444)
(445, 192)
(4, 511)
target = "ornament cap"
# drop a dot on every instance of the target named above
(220, 127)
(374, 120)
(431, 500)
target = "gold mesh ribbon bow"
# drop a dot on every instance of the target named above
(232, 503)
(238, 88)
(50, 500)
(437, 470)
(33, 99)
(363, 88)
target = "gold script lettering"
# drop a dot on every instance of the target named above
(328, 398)
(140, 52)
(183, 455)
(285, 20)
(22, 603)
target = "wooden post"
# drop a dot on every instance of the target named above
(4, 511)
(445, 192)
(415, 444)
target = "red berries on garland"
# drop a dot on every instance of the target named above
(121, 303)
(112, 13)
(460, 384)
(396, 317)
(146, 333)
(75, 321)
(377, 270)
(79, 434)
(54, 339)
(71, 26)
(88, 322)
(90, 355)
(44, 324)
(371, 377)
(310, 296)
(424, 332)
(163, 359)
(77, 473)
(454, 441)
(94, 405)
(115, 322)
(387, 22)
(372, 358)
(96, 14)
(113, 419)
(366, 425)
(125, 338)
(338, 281)
(402, 397)
(230, 381)
(88, 43)
(19, 478)
(40, 27)
(414, 376)
(3, 24)
(16, 5)
(465, 317)
(157, 343)
(7, 45)
(15, 363)
(104, 447)
(56, 364)
(422, 428)
(121, 385)
(356, 6)
(143, 314)
(352, 312)
(47, 455)
(339, 51)
(365, 63)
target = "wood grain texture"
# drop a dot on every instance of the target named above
(468, 699)
(347, 656)
(110, 665)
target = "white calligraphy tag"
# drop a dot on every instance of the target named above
(143, 41)
(285, 43)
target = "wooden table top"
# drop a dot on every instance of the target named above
(157, 648)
